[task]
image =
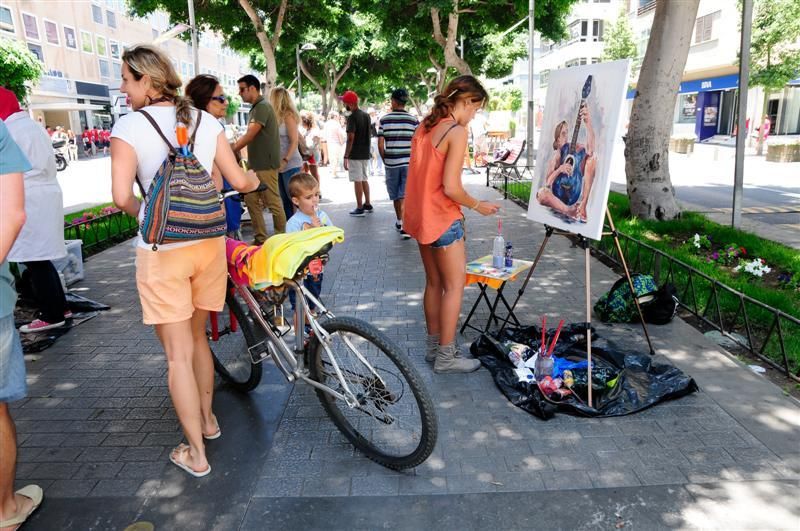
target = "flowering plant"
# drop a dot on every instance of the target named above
(109, 210)
(728, 255)
(700, 242)
(789, 281)
(757, 267)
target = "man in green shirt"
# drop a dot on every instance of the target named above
(263, 156)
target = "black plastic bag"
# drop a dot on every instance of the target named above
(640, 380)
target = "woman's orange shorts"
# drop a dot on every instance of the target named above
(174, 283)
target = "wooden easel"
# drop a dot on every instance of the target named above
(584, 242)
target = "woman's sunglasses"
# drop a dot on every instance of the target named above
(221, 99)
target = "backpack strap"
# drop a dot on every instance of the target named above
(150, 119)
(196, 127)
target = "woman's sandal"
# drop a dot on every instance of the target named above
(35, 494)
(216, 434)
(175, 458)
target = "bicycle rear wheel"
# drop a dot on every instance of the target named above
(232, 359)
(394, 422)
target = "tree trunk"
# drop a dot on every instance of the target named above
(448, 44)
(267, 45)
(647, 146)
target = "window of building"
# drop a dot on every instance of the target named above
(100, 41)
(597, 30)
(544, 78)
(596, 60)
(115, 49)
(6, 19)
(86, 42)
(687, 108)
(104, 69)
(576, 62)
(644, 38)
(97, 13)
(51, 32)
(578, 30)
(70, 40)
(155, 33)
(117, 68)
(37, 51)
(31, 26)
(704, 28)
(111, 19)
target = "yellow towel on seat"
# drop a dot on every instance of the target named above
(281, 255)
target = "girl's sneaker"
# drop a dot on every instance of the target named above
(39, 326)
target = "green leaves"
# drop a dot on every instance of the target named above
(619, 43)
(18, 67)
(775, 59)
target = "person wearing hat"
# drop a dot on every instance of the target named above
(356, 153)
(395, 131)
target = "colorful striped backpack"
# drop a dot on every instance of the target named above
(182, 203)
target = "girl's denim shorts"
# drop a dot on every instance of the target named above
(454, 233)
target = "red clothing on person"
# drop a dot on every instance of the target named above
(427, 211)
(93, 134)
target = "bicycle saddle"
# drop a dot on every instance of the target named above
(322, 254)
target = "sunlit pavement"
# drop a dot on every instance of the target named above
(97, 427)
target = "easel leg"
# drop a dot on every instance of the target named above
(548, 233)
(630, 281)
(588, 256)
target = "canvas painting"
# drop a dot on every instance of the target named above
(579, 131)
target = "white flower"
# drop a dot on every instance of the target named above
(756, 267)
(696, 240)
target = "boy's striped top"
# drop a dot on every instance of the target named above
(397, 128)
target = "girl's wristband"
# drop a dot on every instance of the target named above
(477, 204)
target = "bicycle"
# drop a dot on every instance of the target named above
(365, 383)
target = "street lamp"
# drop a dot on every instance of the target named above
(298, 50)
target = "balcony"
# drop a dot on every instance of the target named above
(645, 6)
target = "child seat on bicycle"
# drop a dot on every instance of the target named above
(278, 258)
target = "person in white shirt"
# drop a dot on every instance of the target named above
(336, 138)
(180, 283)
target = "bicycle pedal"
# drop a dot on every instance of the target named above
(258, 352)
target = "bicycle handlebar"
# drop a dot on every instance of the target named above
(225, 194)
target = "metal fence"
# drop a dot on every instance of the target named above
(514, 181)
(102, 231)
(766, 332)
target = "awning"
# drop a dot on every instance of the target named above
(65, 106)
(794, 82)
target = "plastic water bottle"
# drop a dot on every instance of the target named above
(499, 248)
(509, 259)
(543, 367)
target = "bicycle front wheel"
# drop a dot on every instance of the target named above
(232, 359)
(394, 421)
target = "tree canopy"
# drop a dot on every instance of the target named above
(619, 43)
(18, 67)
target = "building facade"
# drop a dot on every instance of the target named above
(81, 46)
(708, 93)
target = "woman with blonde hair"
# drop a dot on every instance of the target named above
(179, 283)
(288, 129)
(432, 215)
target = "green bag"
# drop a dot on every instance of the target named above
(617, 306)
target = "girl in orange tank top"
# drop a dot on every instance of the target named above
(432, 215)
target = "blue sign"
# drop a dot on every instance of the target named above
(704, 85)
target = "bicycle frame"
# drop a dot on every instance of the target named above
(291, 362)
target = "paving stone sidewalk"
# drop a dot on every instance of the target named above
(98, 424)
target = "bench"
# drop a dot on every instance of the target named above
(505, 167)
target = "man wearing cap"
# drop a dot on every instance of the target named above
(356, 153)
(395, 130)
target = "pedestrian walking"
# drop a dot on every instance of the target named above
(310, 137)
(395, 131)
(375, 161)
(94, 136)
(86, 137)
(263, 156)
(335, 138)
(432, 215)
(288, 130)
(42, 237)
(15, 507)
(206, 94)
(356, 153)
(179, 283)
(72, 145)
